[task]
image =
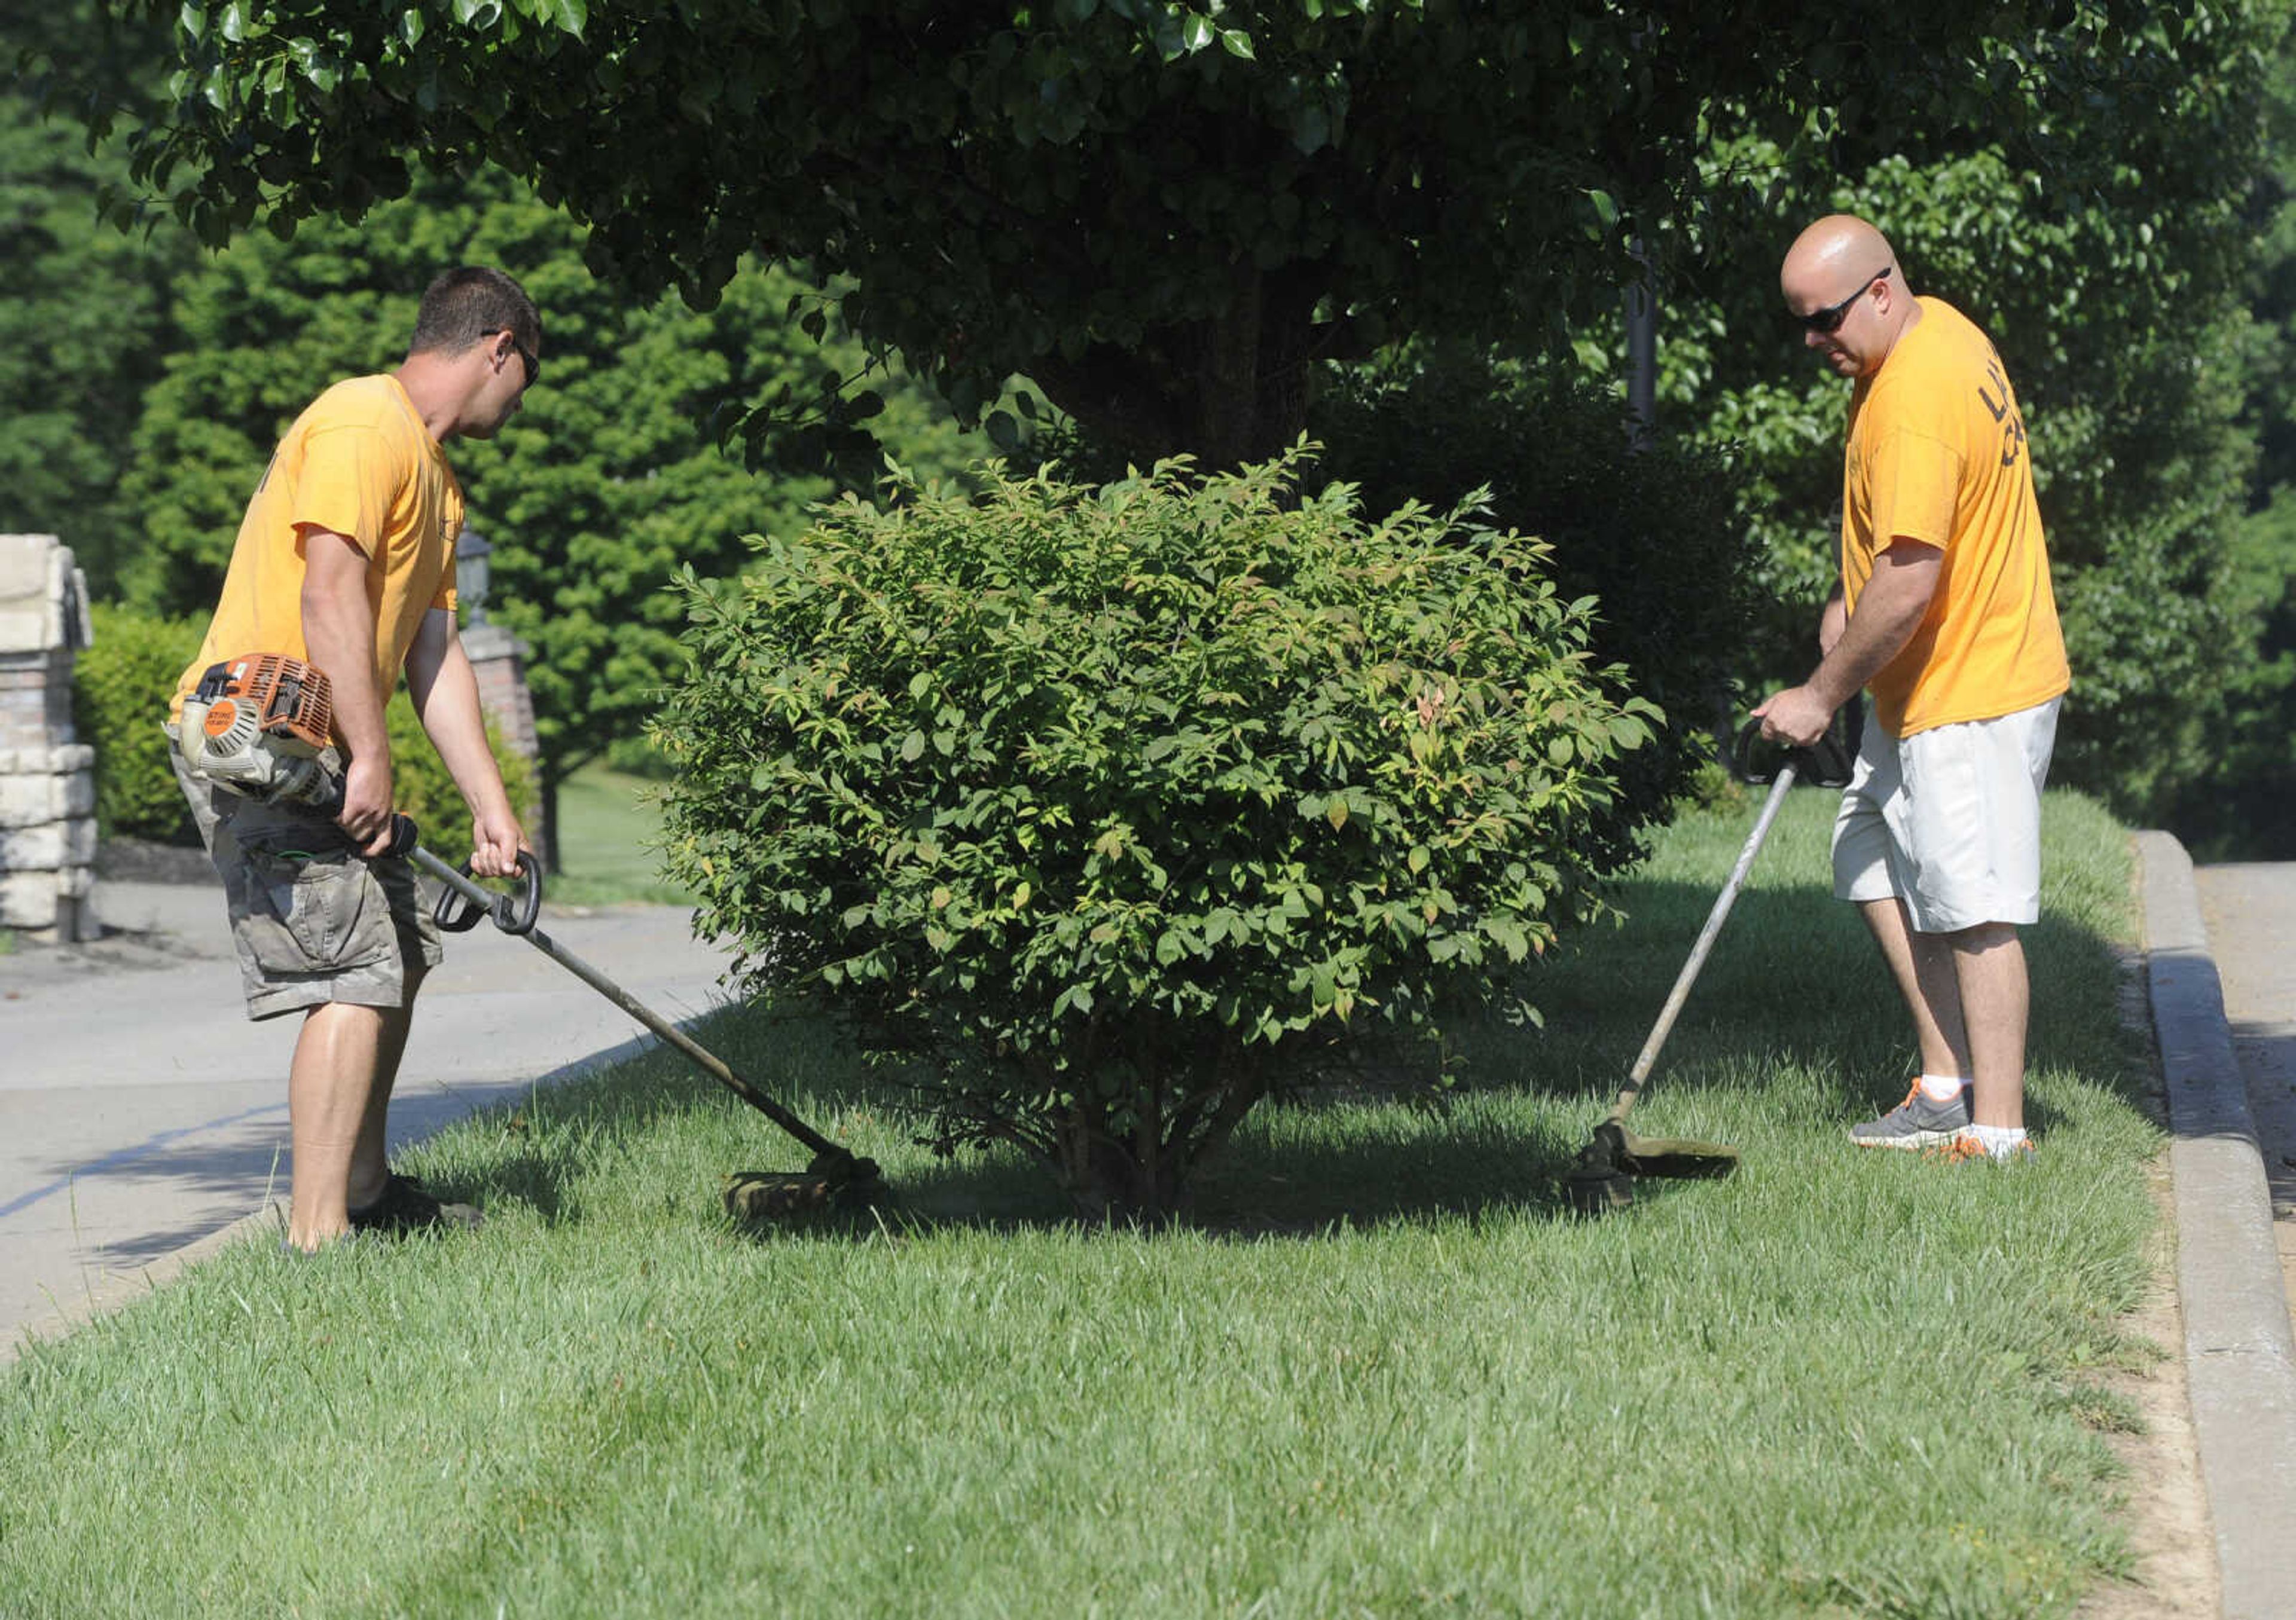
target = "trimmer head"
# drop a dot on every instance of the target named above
(1597, 1181)
(832, 1183)
(1602, 1178)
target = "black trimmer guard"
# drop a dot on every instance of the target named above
(829, 1185)
(1602, 1177)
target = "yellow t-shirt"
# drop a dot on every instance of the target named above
(360, 463)
(1937, 454)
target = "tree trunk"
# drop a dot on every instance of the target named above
(546, 790)
(1227, 390)
(1137, 1168)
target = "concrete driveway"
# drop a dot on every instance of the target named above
(141, 1113)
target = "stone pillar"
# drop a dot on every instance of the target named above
(47, 778)
(498, 661)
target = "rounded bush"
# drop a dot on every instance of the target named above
(1124, 804)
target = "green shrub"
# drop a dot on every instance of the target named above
(1124, 805)
(1649, 534)
(121, 688)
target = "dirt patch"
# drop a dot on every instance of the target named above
(2166, 1505)
(2166, 1509)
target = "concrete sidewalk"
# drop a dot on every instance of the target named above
(2240, 1355)
(142, 1115)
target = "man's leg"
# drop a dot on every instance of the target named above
(337, 1108)
(1990, 967)
(370, 1169)
(330, 1086)
(1924, 966)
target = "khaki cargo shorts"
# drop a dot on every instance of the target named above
(313, 920)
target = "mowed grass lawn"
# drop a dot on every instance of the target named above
(1379, 1373)
(609, 839)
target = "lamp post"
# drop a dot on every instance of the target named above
(471, 571)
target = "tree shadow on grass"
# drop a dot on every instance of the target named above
(1793, 979)
(1794, 986)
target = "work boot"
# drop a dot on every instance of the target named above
(1917, 1122)
(405, 1207)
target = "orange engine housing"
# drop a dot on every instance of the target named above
(290, 700)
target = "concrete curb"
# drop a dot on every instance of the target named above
(101, 1295)
(2240, 1355)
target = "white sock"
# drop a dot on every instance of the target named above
(1999, 1141)
(1942, 1088)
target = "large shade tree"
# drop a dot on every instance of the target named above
(1162, 212)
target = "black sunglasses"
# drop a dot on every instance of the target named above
(527, 358)
(1829, 319)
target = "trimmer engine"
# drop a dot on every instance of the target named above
(258, 725)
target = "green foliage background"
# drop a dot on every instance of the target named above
(84, 326)
(609, 478)
(120, 687)
(2107, 255)
(2102, 186)
(1550, 451)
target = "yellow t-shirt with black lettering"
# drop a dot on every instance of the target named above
(360, 463)
(1937, 454)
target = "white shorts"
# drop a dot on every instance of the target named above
(1948, 820)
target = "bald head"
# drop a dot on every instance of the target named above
(1841, 282)
(1840, 243)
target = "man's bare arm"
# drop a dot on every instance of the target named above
(1890, 609)
(445, 693)
(339, 635)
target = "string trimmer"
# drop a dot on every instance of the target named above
(259, 726)
(1602, 1178)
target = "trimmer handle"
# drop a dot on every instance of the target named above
(1824, 764)
(328, 801)
(462, 903)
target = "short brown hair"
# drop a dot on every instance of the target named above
(462, 306)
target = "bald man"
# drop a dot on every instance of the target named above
(1944, 612)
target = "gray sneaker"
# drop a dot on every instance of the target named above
(1917, 1122)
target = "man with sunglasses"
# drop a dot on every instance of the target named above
(346, 559)
(1944, 611)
